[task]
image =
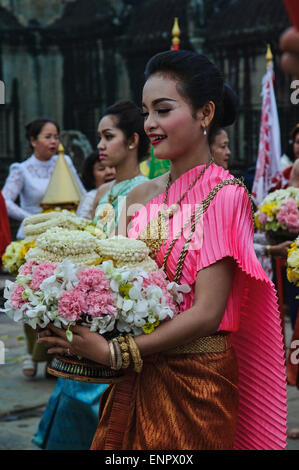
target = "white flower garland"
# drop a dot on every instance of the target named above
(39, 223)
(122, 249)
(66, 242)
(38, 255)
(148, 265)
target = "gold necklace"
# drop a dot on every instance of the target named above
(155, 233)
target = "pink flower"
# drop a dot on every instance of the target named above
(71, 304)
(262, 218)
(92, 279)
(289, 215)
(27, 268)
(16, 297)
(100, 303)
(155, 278)
(42, 272)
(291, 205)
(292, 222)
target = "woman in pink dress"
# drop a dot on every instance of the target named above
(213, 377)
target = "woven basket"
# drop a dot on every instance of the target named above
(82, 370)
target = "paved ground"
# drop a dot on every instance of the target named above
(23, 400)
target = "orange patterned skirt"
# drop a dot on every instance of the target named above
(177, 402)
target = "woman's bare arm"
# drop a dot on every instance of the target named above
(213, 285)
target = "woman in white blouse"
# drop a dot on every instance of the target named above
(29, 179)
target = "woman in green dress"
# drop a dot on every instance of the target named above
(123, 145)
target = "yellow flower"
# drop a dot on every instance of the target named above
(124, 289)
(268, 208)
(293, 258)
(29, 245)
(257, 222)
(292, 276)
(13, 257)
(148, 328)
(292, 248)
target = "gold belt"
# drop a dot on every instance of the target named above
(205, 344)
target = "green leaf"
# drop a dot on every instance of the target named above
(69, 335)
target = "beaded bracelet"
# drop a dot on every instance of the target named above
(124, 352)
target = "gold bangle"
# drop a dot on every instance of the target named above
(112, 356)
(267, 251)
(124, 352)
(135, 353)
(119, 360)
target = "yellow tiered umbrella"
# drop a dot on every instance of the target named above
(63, 191)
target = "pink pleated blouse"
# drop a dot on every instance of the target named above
(251, 314)
(219, 234)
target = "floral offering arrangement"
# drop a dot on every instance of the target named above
(122, 292)
(104, 298)
(279, 211)
(14, 255)
(293, 263)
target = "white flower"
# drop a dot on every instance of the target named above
(139, 322)
(141, 308)
(23, 280)
(135, 291)
(67, 272)
(155, 292)
(127, 305)
(103, 324)
(123, 326)
(176, 289)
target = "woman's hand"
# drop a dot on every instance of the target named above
(85, 343)
(281, 249)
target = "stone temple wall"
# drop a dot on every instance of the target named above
(42, 11)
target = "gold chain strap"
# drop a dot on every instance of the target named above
(156, 240)
(194, 218)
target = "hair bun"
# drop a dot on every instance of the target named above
(230, 105)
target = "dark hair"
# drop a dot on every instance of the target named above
(200, 81)
(129, 120)
(34, 128)
(294, 132)
(214, 134)
(289, 150)
(289, 146)
(87, 171)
